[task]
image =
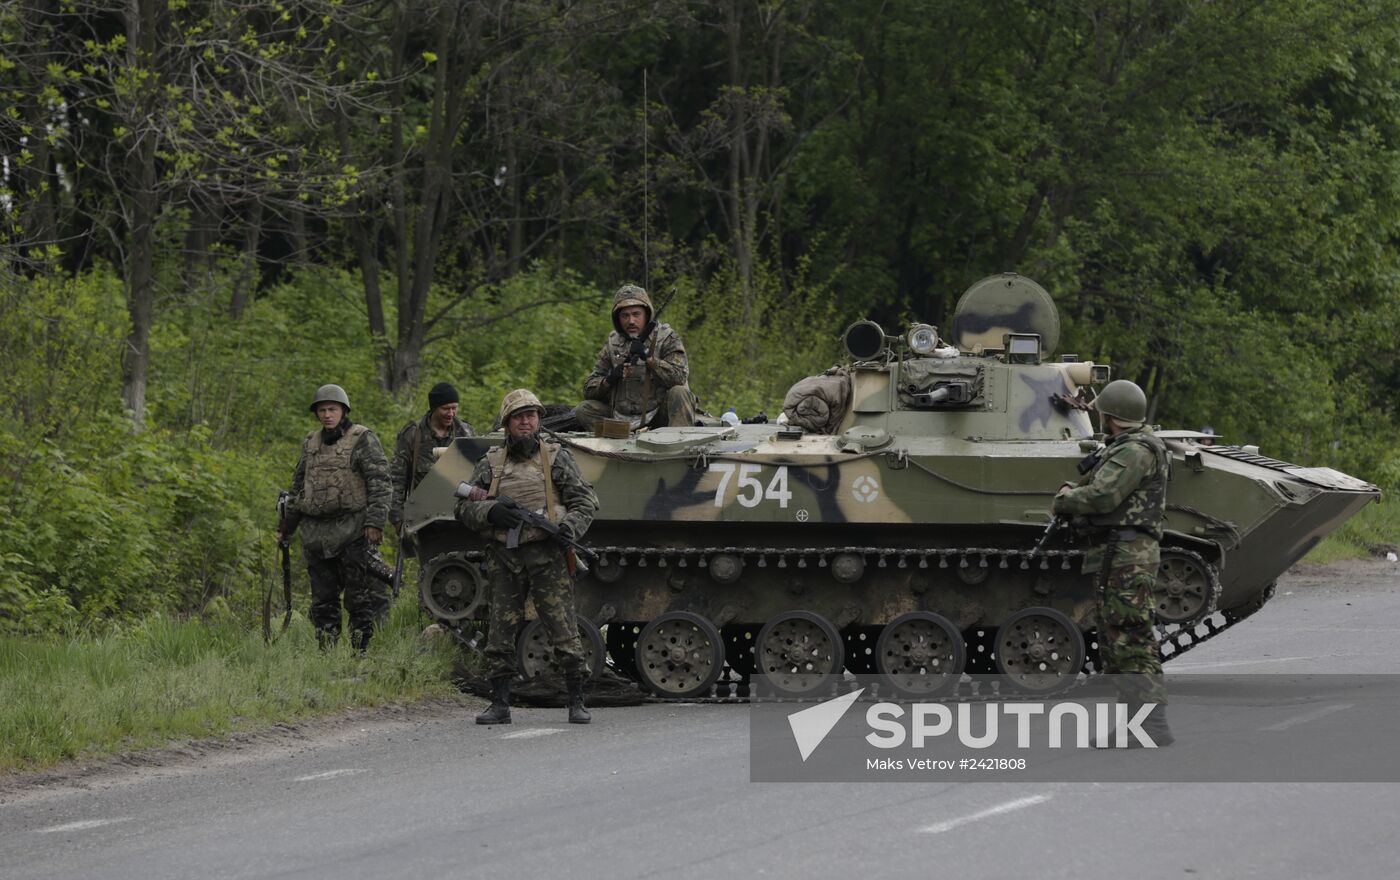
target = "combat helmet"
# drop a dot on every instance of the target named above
(630, 295)
(332, 393)
(1124, 402)
(515, 401)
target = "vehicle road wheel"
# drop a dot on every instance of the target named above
(799, 652)
(1039, 650)
(1187, 588)
(535, 655)
(920, 654)
(680, 655)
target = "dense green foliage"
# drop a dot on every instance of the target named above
(209, 208)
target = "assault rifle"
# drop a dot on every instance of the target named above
(284, 546)
(527, 517)
(1056, 524)
(397, 580)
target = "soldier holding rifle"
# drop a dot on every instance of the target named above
(1122, 500)
(340, 499)
(642, 370)
(525, 560)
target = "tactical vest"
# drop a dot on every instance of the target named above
(1147, 504)
(331, 486)
(633, 397)
(529, 483)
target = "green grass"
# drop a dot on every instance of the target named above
(164, 680)
(1376, 524)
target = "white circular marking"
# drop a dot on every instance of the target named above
(802, 515)
(864, 489)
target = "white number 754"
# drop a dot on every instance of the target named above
(751, 491)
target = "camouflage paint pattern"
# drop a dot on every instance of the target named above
(899, 476)
(1001, 304)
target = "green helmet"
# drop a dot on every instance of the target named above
(333, 394)
(515, 401)
(629, 295)
(1124, 402)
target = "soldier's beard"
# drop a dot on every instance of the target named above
(521, 448)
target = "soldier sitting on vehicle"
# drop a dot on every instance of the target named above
(641, 372)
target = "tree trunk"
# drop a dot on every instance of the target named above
(142, 205)
(247, 280)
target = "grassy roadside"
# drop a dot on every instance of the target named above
(1376, 525)
(166, 679)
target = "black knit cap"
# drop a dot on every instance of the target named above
(442, 393)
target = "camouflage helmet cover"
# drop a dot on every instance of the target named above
(332, 394)
(1123, 401)
(630, 295)
(520, 398)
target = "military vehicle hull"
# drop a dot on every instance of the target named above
(739, 527)
(904, 532)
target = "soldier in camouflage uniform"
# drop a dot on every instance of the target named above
(413, 451)
(642, 380)
(340, 497)
(1124, 498)
(541, 476)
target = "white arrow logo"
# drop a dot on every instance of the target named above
(810, 726)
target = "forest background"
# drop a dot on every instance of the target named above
(208, 209)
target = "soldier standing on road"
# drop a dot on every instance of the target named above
(340, 497)
(638, 377)
(413, 451)
(1124, 499)
(540, 476)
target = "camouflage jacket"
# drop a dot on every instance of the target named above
(645, 391)
(575, 493)
(408, 471)
(1127, 488)
(323, 537)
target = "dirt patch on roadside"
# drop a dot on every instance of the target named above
(192, 756)
(1346, 574)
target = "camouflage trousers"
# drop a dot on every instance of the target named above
(366, 599)
(679, 411)
(540, 571)
(1128, 647)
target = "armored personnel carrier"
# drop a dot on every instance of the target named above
(898, 532)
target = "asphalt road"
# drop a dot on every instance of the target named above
(663, 790)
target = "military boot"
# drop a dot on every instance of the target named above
(359, 639)
(499, 710)
(1154, 725)
(577, 714)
